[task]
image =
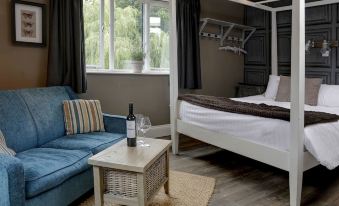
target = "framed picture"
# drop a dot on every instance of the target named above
(28, 23)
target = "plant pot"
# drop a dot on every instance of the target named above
(135, 66)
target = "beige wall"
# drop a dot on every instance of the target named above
(221, 71)
(20, 67)
(150, 94)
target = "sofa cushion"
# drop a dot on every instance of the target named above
(16, 122)
(45, 105)
(46, 168)
(3, 146)
(83, 116)
(94, 142)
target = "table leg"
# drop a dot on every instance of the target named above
(98, 186)
(166, 186)
(141, 190)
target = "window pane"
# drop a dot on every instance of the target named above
(106, 33)
(128, 34)
(92, 26)
(159, 38)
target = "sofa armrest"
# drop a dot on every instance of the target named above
(12, 181)
(72, 95)
(115, 123)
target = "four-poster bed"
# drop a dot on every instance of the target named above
(295, 160)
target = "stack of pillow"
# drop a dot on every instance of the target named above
(316, 94)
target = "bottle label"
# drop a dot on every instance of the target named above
(130, 129)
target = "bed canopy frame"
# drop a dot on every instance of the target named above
(295, 161)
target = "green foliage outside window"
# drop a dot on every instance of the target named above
(91, 20)
(159, 43)
(127, 34)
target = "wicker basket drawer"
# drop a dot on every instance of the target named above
(124, 184)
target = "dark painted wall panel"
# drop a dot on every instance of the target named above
(260, 20)
(284, 47)
(314, 58)
(321, 23)
(255, 76)
(314, 15)
(256, 48)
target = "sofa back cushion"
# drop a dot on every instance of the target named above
(83, 116)
(16, 122)
(46, 107)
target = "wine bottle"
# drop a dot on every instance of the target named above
(131, 131)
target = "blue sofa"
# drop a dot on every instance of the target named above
(49, 168)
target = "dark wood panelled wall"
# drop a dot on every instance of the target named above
(321, 23)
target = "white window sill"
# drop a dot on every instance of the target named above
(115, 72)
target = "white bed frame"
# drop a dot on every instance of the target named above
(295, 161)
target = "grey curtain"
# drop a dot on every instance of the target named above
(188, 19)
(66, 63)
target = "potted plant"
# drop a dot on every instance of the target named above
(137, 61)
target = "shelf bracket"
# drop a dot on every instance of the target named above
(248, 37)
(203, 26)
(226, 35)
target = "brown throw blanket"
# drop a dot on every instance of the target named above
(261, 110)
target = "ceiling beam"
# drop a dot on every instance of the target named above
(253, 4)
(266, 1)
(310, 4)
(260, 5)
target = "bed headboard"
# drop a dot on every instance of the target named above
(321, 23)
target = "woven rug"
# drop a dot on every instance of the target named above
(185, 190)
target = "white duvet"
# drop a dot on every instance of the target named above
(321, 140)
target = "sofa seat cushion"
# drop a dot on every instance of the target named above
(94, 142)
(46, 168)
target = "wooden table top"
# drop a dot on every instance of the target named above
(135, 159)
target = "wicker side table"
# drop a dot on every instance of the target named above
(131, 176)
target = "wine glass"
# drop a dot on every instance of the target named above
(145, 125)
(138, 118)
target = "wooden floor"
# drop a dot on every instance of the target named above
(241, 181)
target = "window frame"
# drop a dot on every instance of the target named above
(146, 10)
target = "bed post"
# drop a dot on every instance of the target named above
(297, 101)
(274, 47)
(174, 90)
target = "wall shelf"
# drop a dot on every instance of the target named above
(225, 29)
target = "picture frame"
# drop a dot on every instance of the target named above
(28, 23)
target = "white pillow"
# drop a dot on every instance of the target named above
(272, 87)
(328, 95)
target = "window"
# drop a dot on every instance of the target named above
(159, 38)
(126, 35)
(92, 28)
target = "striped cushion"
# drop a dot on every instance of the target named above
(3, 147)
(83, 116)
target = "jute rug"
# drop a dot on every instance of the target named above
(185, 190)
